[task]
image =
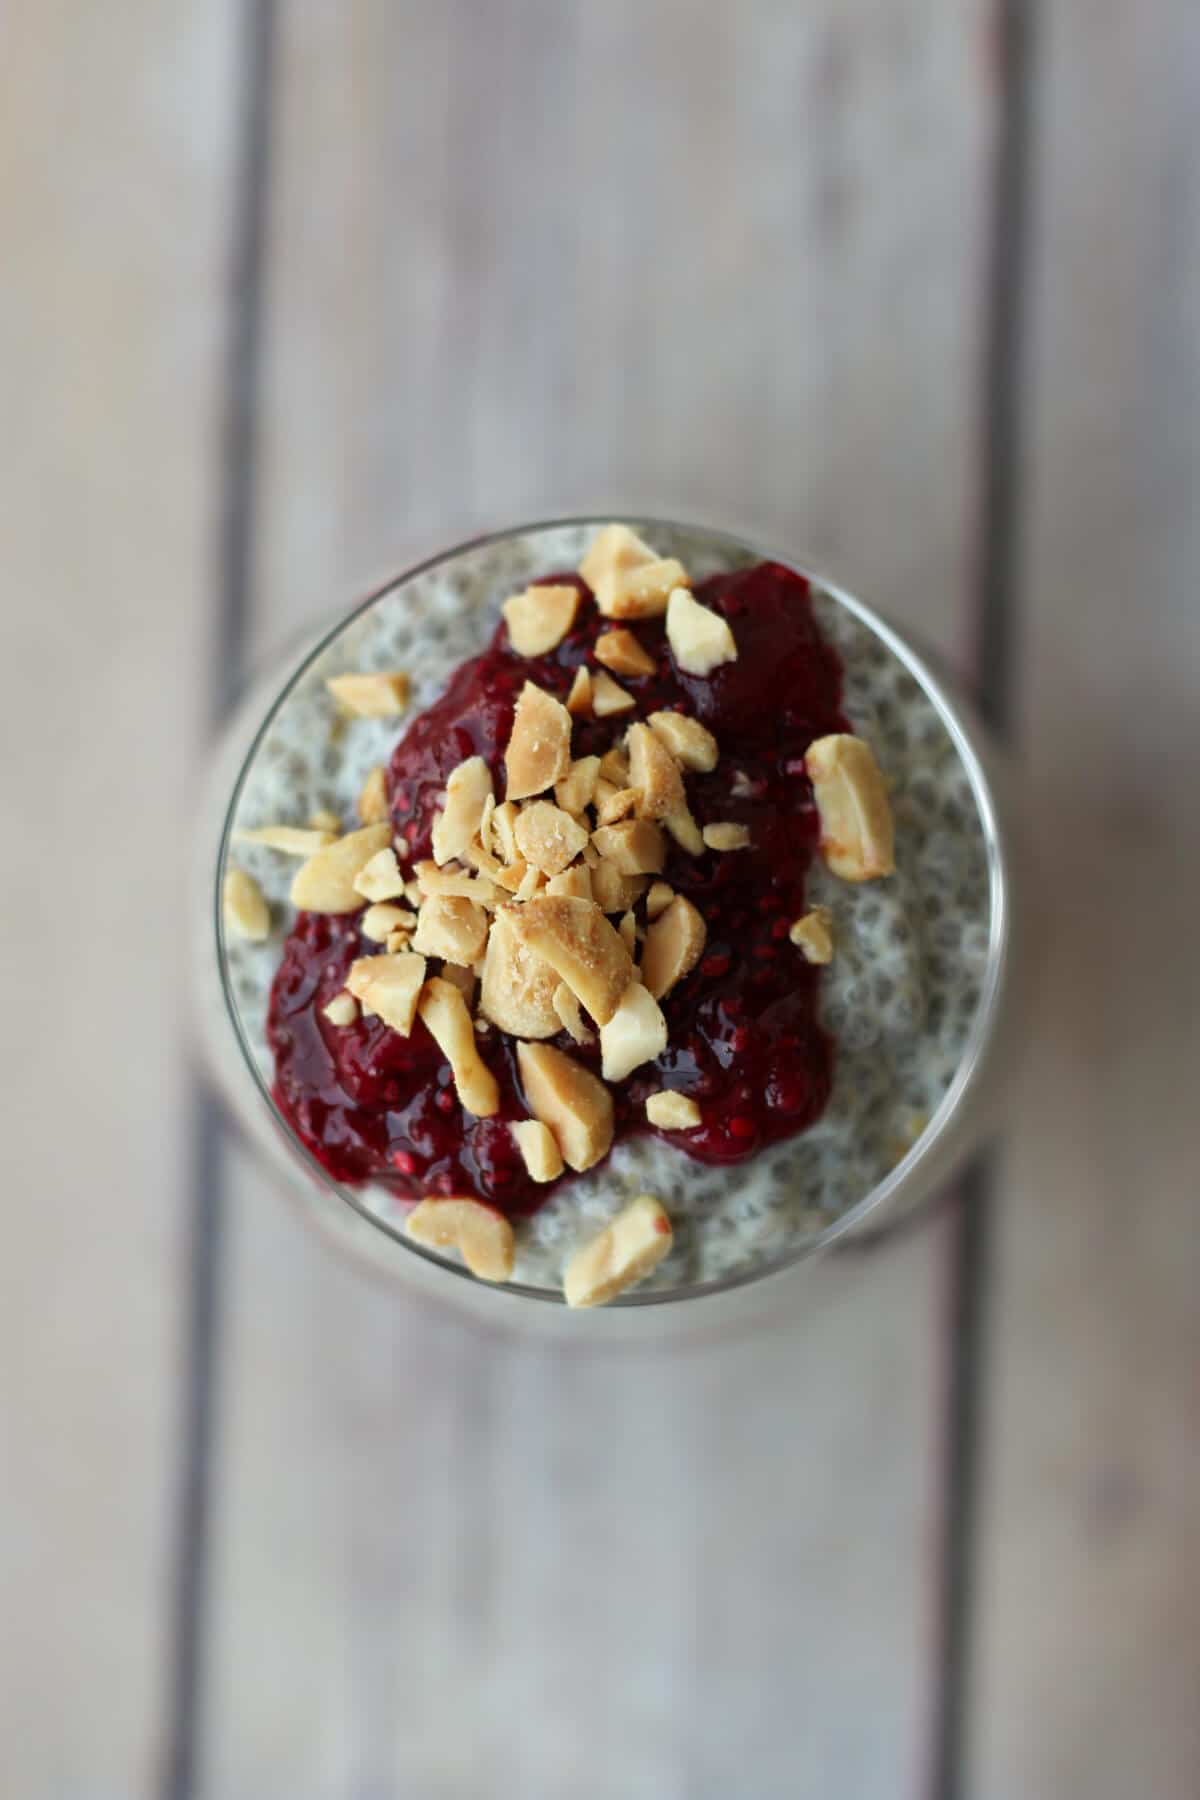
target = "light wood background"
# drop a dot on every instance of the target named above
(294, 290)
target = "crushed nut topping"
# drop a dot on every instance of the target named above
(700, 639)
(674, 945)
(382, 695)
(568, 1098)
(608, 697)
(634, 846)
(659, 898)
(687, 834)
(381, 920)
(690, 743)
(627, 578)
(482, 1236)
(461, 978)
(517, 992)
(575, 883)
(451, 927)
(852, 802)
(614, 767)
(629, 932)
(245, 907)
(380, 878)
(342, 1010)
(457, 825)
(626, 1251)
(388, 987)
(569, 1011)
(726, 836)
(576, 939)
(612, 891)
(292, 840)
(813, 935)
(325, 883)
(373, 800)
(539, 749)
(452, 880)
(655, 774)
(539, 1151)
(444, 1014)
(636, 1033)
(578, 787)
(504, 831)
(548, 838)
(324, 819)
(579, 700)
(623, 653)
(540, 618)
(613, 803)
(671, 1111)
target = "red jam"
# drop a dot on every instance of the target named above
(744, 1038)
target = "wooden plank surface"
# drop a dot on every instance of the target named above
(114, 140)
(1088, 1592)
(525, 257)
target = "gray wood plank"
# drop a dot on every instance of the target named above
(1088, 1601)
(527, 257)
(114, 142)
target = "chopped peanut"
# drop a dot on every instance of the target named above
(726, 837)
(397, 940)
(245, 907)
(389, 987)
(623, 653)
(292, 840)
(625, 1251)
(518, 987)
(540, 618)
(636, 1033)
(628, 932)
(568, 1009)
(654, 772)
(573, 1102)
(674, 945)
(451, 927)
(342, 1009)
(671, 1111)
(380, 878)
(325, 820)
(575, 883)
(614, 803)
(458, 823)
(530, 883)
(608, 697)
(547, 837)
(635, 846)
(380, 921)
(444, 1014)
(687, 834)
(452, 880)
(539, 1150)
(628, 580)
(612, 891)
(482, 1236)
(576, 939)
(813, 935)
(461, 978)
(579, 700)
(692, 746)
(614, 767)
(539, 749)
(383, 695)
(852, 801)
(659, 898)
(325, 883)
(578, 787)
(700, 639)
(373, 800)
(504, 831)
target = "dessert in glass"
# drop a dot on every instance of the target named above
(612, 914)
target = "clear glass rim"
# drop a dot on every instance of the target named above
(979, 1035)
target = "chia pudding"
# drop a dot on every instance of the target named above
(770, 1029)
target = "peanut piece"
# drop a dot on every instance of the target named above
(634, 847)
(539, 1151)
(576, 939)
(700, 639)
(518, 988)
(388, 987)
(547, 837)
(726, 837)
(540, 618)
(625, 1251)
(380, 921)
(636, 1033)
(628, 580)
(672, 1111)
(325, 820)
(325, 883)
(813, 935)
(578, 788)
(659, 898)
(342, 1009)
(654, 772)
(444, 1014)
(569, 1099)
(579, 700)
(290, 839)
(458, 823)
(852, 801)
(674, 945)
(539, 749)
(608, 697)
(380, 879)
(569, 1011)
(452, 928)
(621, 652)
(244, 906)
(373, 800)
(692, 746)
(381, 695)
(482, 1236)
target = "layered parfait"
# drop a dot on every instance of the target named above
(608, 912)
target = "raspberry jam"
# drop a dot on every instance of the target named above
(744, 1042)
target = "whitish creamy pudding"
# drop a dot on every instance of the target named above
(628, 931)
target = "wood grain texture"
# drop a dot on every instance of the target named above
(526, 257)
(1088, 1602)
(113, 184)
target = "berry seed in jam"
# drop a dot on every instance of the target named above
(744, 1038)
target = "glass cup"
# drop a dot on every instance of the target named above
(467, 583)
